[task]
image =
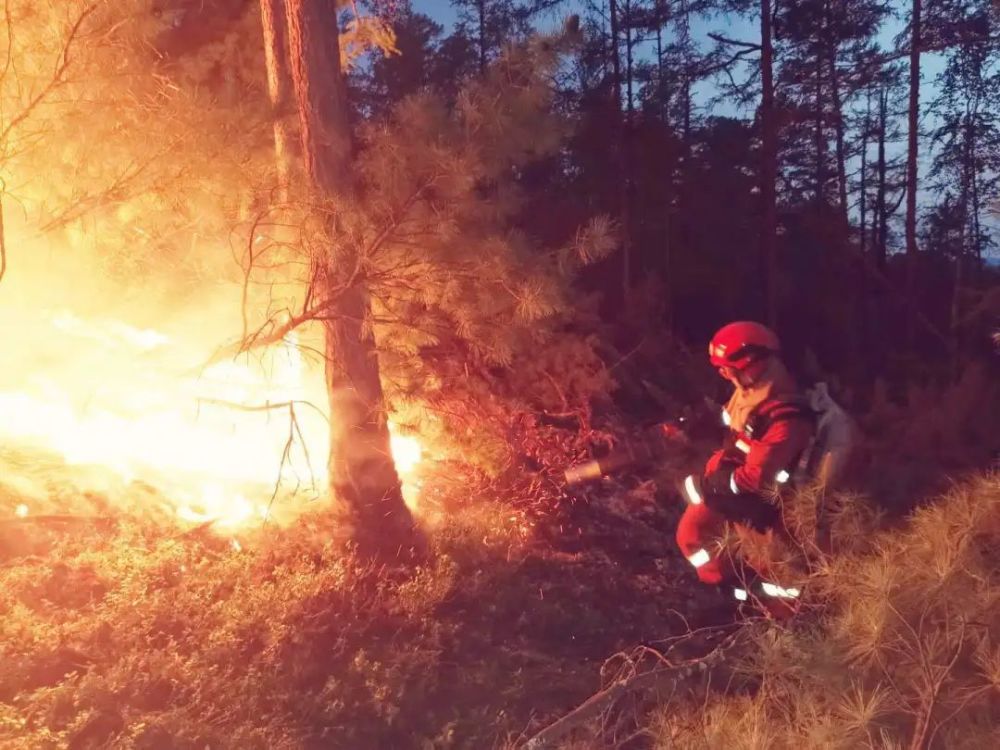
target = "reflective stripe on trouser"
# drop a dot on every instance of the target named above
(698, 533)
(777, 592)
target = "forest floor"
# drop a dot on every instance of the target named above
(122, 629)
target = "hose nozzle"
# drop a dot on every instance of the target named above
(583, 472)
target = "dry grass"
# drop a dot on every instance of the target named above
(902, 654)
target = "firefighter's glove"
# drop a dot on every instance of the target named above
(722, 481)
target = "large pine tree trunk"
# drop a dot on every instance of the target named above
(768, 165)
(363, 478)
(279, 85)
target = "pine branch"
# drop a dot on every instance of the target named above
(735, 42)
(62, 64)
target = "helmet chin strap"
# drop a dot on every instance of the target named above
(743, 381)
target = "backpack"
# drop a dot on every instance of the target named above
(825, 459)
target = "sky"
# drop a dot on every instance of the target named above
(743, 28)
(730, 25)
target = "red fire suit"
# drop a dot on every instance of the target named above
(740, 484)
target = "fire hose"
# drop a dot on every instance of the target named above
(651, 445)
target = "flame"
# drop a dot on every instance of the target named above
(208, 439)
(406, 451)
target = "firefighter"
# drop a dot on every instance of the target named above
(770, 425)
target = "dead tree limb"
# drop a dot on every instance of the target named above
(664, 675)
(269, 406)
(753, 46)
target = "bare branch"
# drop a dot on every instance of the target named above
(665, 674)
(263, 407)
(735, 42)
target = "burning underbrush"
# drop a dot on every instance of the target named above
(123, 628)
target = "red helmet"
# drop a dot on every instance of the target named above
(743, 345)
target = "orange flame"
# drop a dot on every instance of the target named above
(206, 439)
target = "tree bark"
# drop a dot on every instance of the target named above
(629, 144)
(838, 123)
(819, 136)
(968, 170)
(481, 14)
(320, 94)
(881, 209)
(279, 85)
(863, 196)
(363, 479)
(618, 149)
(768, 166)
(912, 153)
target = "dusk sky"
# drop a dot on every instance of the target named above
(735, 27)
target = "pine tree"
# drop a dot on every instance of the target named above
(363, 478)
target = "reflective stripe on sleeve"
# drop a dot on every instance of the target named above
(743, 445)
(732, 484)
(692, 491)
(726, 419)
(740, 594)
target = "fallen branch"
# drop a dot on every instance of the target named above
(661, 676)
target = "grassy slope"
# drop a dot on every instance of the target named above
(131, 635)
(905, 651)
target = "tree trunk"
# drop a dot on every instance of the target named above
(968, 169)
(629, 144)
(838, 122)
(977, 236)
(819, 137)
(279, 86)
(977, 231)
(481, 13)
(912, 154)
(863, 196)
(363, 479)
(881, 208)
(617, 151)
(768, 166)
(668, 207)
